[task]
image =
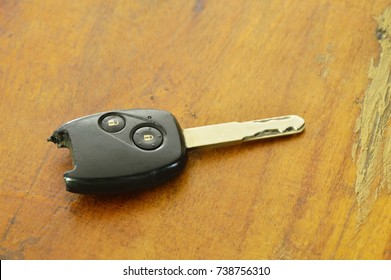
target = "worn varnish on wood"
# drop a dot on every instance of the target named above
(373, 145)
(324, 194)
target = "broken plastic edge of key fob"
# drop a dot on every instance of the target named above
(112, 152)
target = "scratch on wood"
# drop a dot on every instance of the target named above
(19, 253)
(33, 181)
(324, 60)
(199, 6)
(10, 224)
(372, 149)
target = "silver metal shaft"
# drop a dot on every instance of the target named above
(237, 132)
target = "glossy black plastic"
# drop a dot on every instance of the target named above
(106, 162)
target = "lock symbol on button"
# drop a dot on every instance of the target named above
(113, 122)
(148, 137)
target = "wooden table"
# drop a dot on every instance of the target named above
(324, 194)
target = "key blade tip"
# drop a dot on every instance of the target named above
(298, 123)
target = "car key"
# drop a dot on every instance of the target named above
(129, 150)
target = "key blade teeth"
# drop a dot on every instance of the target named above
(276, 127)
(295, 121)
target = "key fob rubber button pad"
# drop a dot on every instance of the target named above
(147, 138)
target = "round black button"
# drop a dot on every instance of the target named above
(147, 138)
(112, 123)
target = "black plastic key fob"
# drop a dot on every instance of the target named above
(121, 151)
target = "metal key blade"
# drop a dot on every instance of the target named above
(237, 132)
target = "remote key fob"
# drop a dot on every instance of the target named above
(121, 151)
(128, 150)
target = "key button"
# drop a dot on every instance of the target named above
(147, 138)
(112, 123)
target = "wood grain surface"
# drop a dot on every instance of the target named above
(323, 194)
